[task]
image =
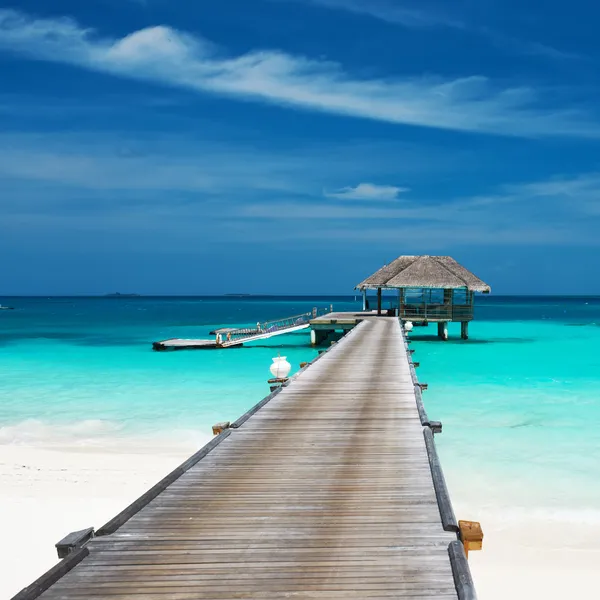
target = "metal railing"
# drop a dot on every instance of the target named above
(436, 312)
(273, 326)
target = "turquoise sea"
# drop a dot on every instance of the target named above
(520, 400)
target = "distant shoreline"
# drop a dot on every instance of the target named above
(120, 295)
(488, 298)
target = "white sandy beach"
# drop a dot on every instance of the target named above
(47, 493)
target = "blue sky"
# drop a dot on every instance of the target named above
(295, 146)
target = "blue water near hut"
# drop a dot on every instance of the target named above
(520, 400)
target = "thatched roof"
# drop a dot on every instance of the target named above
(424, 272)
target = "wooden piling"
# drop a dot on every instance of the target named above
(443, 330)
(464, 330)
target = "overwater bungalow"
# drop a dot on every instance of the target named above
(428, 289)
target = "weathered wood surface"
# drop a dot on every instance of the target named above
(324, 492)
(341, 320)
(74, 540)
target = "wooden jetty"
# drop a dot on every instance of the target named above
(329, 488)
(228, 337)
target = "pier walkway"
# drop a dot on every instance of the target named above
(330, 488)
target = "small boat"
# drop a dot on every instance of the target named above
(6, 307)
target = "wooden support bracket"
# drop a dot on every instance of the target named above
(435, 426)
(276, 383)
(423, 386)
(74, 540)
(471, 535)
(416, 364)
(221, 427)
(303, 364)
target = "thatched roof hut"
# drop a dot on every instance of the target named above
(424, 272)
(430, 288)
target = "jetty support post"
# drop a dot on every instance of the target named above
(364, 293)
(464, 330)
(443, 330)
(318, 336)
(277, 382)
(379, 302)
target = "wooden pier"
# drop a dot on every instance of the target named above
(329, 488)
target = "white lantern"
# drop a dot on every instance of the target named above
(280, 368)
(408, 326)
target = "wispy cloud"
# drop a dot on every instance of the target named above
(150, 165)
(169, 57)
(212, 163)
(557, 211)
(106, 183)
(514, 45)
(405, 14)
(368, 191)
(399, 13)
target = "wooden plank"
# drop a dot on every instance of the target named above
(221, 593)
(162, 485)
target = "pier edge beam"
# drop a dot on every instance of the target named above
(464, 330)
(443, 330)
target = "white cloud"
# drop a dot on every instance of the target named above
(169, 57)
(368, 191)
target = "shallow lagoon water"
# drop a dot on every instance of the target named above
(520, 400)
